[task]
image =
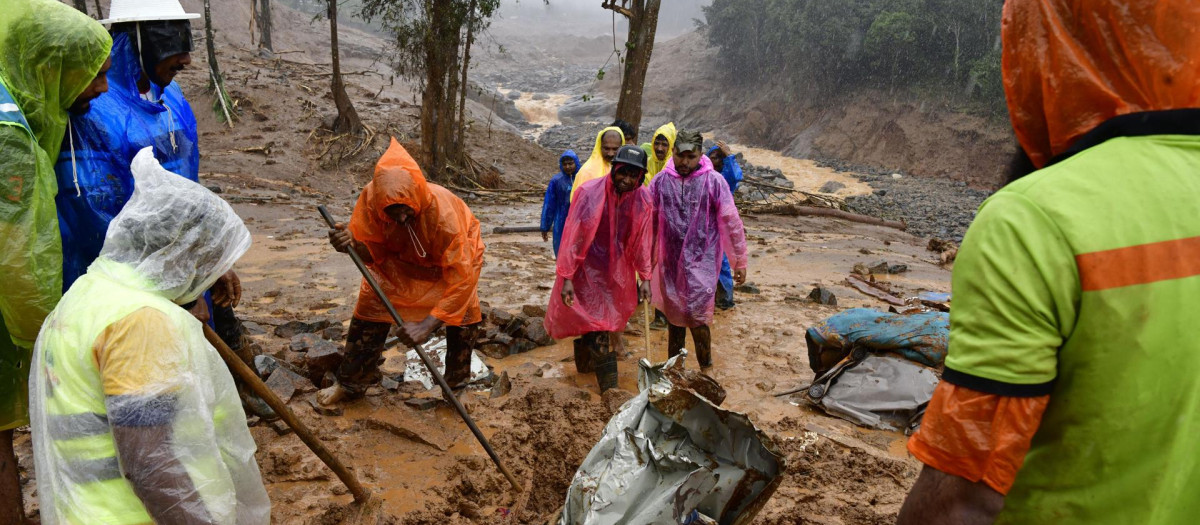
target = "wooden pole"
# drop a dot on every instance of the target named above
(260, 389)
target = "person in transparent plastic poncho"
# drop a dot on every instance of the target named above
(135, 417)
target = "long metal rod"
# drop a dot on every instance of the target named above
(441, 381)
(260, 389)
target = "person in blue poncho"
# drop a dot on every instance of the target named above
(143, 107)
(725, 162)
(558, 198)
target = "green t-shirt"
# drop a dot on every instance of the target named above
(1082, 281)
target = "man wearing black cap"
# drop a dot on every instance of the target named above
(605, 249)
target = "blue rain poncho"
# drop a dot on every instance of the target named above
(558, 199)
(93, 167)
(732, 172)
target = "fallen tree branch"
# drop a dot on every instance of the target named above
(793, 210)
(866, 288)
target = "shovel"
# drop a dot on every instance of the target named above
(429, 364)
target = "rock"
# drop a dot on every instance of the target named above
(321, 359)
(304, 342)
(897, 176)
(253, 328)
(215, 188)
(831, 187)
(865, 251)
(879, 268)
(494, 350)
(422, 403)
(280, 427)
(765, 385)
(860, 269)
(502, 339)
(390, 383)
(291, 328)
(281, 384)
(514, 95)
(897, 268)
(533, 310)
(265, 364)
(519, 346)
(515, 326)
(374, 391)
(336, 332)
(822, 295)
(502, 386)
(500, 317)
(536, 331)
(749, 288)
(323, 410)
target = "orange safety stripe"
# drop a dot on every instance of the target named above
(1141, 264)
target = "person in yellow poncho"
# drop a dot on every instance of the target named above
(659, 149)
(608, 141)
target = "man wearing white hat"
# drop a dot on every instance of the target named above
(152, 42)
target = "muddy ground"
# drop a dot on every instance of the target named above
(277, 164)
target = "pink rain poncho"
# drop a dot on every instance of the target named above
(697, 224)
(605, 245)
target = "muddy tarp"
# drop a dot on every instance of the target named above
(881, 392)
(669, 456)
(922, 338)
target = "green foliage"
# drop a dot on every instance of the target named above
(422, 29)
(840, 45)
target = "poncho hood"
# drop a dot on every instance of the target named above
(1069, 66)
(49, 54)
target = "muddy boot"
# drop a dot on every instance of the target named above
(360, 368)
(604, 361)
(676, 338)
(583, 357)
(702, 338)
(659, 322)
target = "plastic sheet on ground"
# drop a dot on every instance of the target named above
(880, 392)
(671, 456)
(414, 368)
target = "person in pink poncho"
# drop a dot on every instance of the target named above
(605, 248)
(697, 224)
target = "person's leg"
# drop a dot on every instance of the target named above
(364, 348)
(676, 338)
(12, 509)
(229, 328)
(14, 412)
(660, 320)
(725, 286)
(460, 342)
(702, 338)
(604, 359)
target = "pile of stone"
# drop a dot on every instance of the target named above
(507, 333)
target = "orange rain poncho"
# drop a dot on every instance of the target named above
(431, 266)
(1065, 76)
(595, 167)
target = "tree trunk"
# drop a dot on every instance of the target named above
(99, 12)
(643, 23)
(214, 69)
(81, 5)
(466, 65)
(264, 25)
(347, 118)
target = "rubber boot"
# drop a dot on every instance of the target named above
(583, 357)
(676, 338)
(604, 362)
(702, 338)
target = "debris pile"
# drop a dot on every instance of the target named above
(506, 333)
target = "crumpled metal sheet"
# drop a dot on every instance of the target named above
(414, 368)
(880, 386)
(669, 456)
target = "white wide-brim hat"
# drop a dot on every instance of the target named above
(146, 11)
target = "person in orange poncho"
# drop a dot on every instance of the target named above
(423, 244)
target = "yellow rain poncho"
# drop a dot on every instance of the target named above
(595, 167)
(49, 53)
(653, 165)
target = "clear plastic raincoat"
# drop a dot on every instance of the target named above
(135, 417)
(595, 167)
(443, 239)
(698, 223)
(93, 167)
(557, 202)
(606, 246)
(49, 53)
(653, 165)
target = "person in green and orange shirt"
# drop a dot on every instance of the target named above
(1072, 378)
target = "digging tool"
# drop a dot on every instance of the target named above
(429, 364)
(646, 328)
(260, 389)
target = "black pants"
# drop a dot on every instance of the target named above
(364, 353)
(701, 337)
